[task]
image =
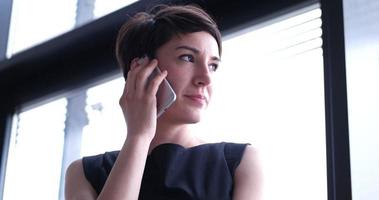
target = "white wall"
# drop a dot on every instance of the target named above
(362, 65)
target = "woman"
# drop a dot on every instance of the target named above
(160, 158)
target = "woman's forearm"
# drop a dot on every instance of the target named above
(138, 103)
(124, 181)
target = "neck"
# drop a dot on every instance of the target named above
(173, 133)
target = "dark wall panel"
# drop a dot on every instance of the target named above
(86, 54)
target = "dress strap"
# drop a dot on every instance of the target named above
(97, 168)
(233, 155)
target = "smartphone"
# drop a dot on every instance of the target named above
(165, 95)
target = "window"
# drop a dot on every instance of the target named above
(106, 129)
(269, 91)
(35, 153)
(103, 7)
(271, 94)
(34, 22)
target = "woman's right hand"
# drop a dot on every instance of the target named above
(138, 101)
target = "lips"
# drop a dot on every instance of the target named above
(197, 98)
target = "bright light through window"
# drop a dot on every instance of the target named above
(37, 21)
(104, 7)
(35, 154)
(106, 130)
(269, 92)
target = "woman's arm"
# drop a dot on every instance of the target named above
(138, 104)
(248, 176)
(76, 185)
(123, 182)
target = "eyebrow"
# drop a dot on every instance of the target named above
(196, 51)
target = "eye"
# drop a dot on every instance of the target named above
(213, 67)
(187, 58)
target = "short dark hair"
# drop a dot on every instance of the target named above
(145, 32)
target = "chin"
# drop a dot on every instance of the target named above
(184, 117)
(193, 120)
(194, 117)
(188, 118)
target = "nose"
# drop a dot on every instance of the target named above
(202, 76)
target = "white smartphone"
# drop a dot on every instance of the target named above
(165, 95)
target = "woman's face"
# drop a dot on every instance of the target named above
(191, 60)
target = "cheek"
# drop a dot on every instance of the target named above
(178, 76)
(210, 91)
(177, 80)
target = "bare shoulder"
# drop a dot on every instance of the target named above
(248, 176)
(76, 184)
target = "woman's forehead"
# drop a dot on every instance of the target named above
(200, 42)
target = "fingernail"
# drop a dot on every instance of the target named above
(133, 63)
(142, 60)
(135, 60)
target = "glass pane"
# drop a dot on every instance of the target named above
(106, 130)
(35, 153)
(104, 7)
(269, 92)
(37, 21)
(362, 70)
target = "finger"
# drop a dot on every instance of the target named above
(134, 63)
(142, 78)
(123, 96)
(138, 65)
(130, 83)
(131, 77)
(156, 82)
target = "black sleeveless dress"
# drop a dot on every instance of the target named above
(174, 172)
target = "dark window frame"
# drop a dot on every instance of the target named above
(336, 110)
